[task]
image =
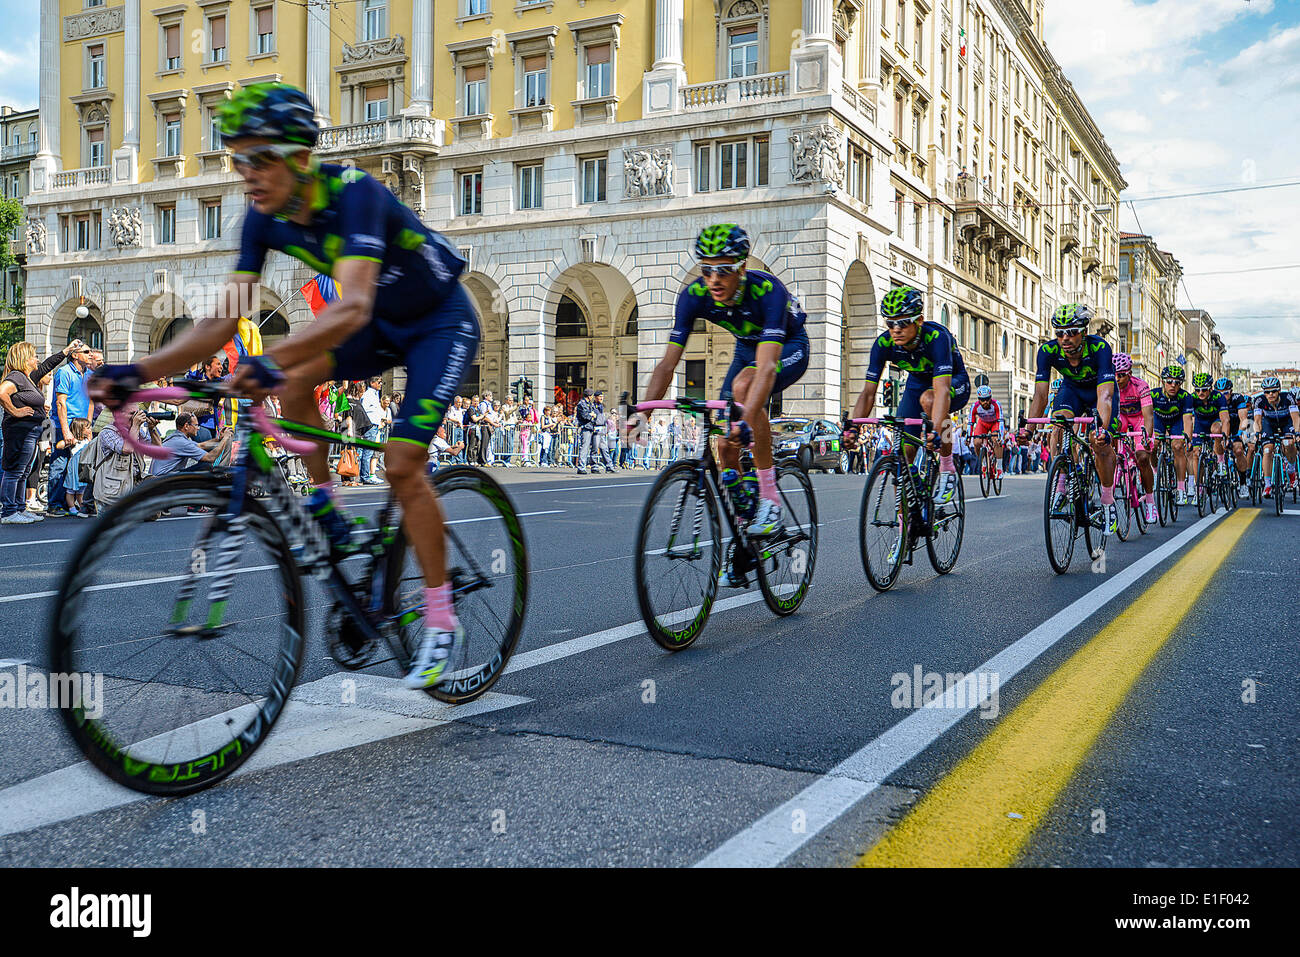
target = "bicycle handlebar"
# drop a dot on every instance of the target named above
(887, 420)
(689, 404)
(174, 393)
(266, 427)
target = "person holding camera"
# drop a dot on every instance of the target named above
(25, 416)
(190, 455)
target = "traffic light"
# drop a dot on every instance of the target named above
(889, 393)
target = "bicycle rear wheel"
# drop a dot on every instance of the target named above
(1279, 478)
(1093, 519)
(487, 566)
(1059, 516)
(186, 683)
(947, 526)
(883, 525)
(1123, 503)
(678, 555)
(1137, 505)
(786, 561)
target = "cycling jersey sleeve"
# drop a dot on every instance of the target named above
(252, 245)
(684, 320)
(1044, 373)
(1105, 364)
(1144, 394)
(941, 355)
(774, 308)
(362, 208)
(876, 365)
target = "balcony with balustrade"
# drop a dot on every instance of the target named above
(1069, 235)
(1107, 273)
(1090, 258)
(84, 178)
(423, 135)
(984, 219)
(740, 91)
(17, 151)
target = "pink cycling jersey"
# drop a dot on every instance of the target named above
(1133, 398)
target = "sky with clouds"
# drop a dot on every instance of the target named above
(1190, 94)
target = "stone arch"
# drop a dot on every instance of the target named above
(491, 368)
(606, 357)
(151, 316)
(858, 321)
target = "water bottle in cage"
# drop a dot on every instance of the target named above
(751, 493)
(731, 481)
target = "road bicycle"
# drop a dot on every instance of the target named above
(1283, 472)
(1206, 473)
(990, 477)
(1166, 480)
(680, 544)
(199, 637)
(1072, 500)
(898, 510)
(1128, 486)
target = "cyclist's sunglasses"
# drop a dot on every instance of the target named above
(1067, 333)
(1272, 391)
(261, 157)
(722, 272)
(1173, 381)
(901, 323)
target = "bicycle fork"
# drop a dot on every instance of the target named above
(223, 574)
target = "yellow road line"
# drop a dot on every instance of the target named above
(1023, 765)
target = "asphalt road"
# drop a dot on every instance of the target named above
(1147, 713)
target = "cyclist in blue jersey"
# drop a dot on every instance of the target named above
(937, 384)
(1238, 406)
(771, 350)
(1276, 415)
(400, 302)
(1087, 385)
(1171, 407)
(1209, 417)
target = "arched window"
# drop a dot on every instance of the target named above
(88, 330)
(1006, 345)
(273, 327)
(742, 38)
(943, 317)
(570, 322)
(631, 328)
(174, 328)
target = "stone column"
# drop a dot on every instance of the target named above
(126, 158)
(49, 158)
(318, 60)
(421, 58)
(869, 22)
(816, 66)
(661, 86)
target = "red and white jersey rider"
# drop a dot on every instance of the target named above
(985, 413)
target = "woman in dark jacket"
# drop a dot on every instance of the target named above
(25, 414)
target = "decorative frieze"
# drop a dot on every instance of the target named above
(383, 49)
(94, 23)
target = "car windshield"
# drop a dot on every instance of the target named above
(789, 426)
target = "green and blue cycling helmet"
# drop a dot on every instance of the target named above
(279, 112)
(1173, 371)
(903, 302)
(722, 241)
(1072, 315)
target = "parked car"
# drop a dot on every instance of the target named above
(815, 443)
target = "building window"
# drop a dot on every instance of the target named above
(742, 51)
(172, 47)
(98, 77)
(916, 224)
(83, 233)
(733, 165)
(570, 323)
(898, 214)
(264, 25)
(900, 28)
(695, 383)
(943, 66)
(376, 19)
(212, 220)
(376, 102)
(167, 224)
(595, 171)
(95, 138)
(916, 133)
(172, 135)
(530, 187)
(599, 71)
(918, 49)
(858, 173)
(961, 87)
(471, 193)
(214, 128)
(947, 229)
(476, 8)
(1123, 268)
(703, 161)
(760, 160)
(217, 39)
(476, 91)
(535, 81)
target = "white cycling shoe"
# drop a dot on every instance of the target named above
(767, 520)
(436, 650)
(1152, 515)
(947, 486)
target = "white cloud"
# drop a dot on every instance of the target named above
(1273, 64)
(19, 73)
(1127, 121)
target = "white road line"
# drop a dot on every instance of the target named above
(461, 521)
(39, 541)
(13, 662)
(771, 840)
(579, 488)
(313, 723)
(134, 584)
(464, 521)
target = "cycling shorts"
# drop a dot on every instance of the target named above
(789, 368)
(1271, 427)
(1083, 402)
(1203, 426)
(437, 352)
(1172, 426)
(1135, 423)
(986, 428)
(909, 406)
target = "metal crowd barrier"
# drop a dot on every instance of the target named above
(506, 447)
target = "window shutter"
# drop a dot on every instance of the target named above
(534, 64)
(97, 50)
(598, 54)
(475, 73)
(375, 93)
(218, 33)
(96, 135)
(173, 35)
(171, 118)
(264, 20)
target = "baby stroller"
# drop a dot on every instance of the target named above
(291, 468)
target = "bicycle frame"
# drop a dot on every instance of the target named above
(912, 498)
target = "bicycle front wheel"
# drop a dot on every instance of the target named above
(883, 525)
(678, 555)
(986, 479)
(171, 684)
(1059, 514)
(786, 561)
(996, 478)
(1123, 503)
(947, 526)
(487, 566)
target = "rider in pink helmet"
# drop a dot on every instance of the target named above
(1136, 414)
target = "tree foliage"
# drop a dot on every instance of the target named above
(11, 326)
